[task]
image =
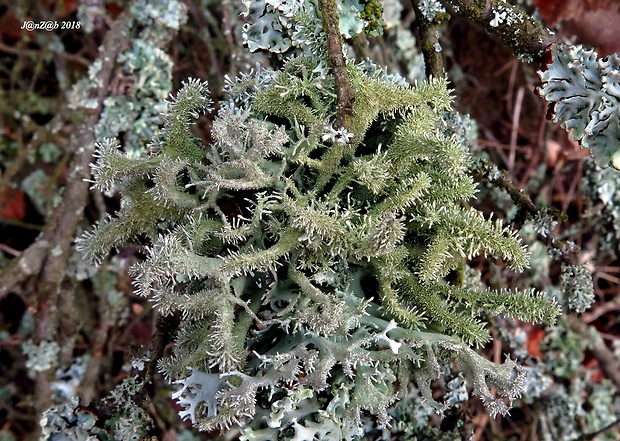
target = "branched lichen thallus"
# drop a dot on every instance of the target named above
(308, 262)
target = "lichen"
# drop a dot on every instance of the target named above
(584, 93)
(310, 263)
(333, 284)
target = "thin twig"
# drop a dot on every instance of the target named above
(571, 191)
(525, 35)
(165, 330)
(38, 54)
(337, 64)
(7, 249)
(511, 83)
(589, 436)
(519, 197)
(516, 115)
(429, 40)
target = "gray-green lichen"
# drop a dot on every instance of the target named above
(41, 357)
(311, 263)
(584, 93)
(289, 26)
(302, 256)
(136, 102)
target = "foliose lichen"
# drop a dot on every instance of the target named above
(584, 92)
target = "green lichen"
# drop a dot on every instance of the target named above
(317, 269)
(315, 252)
(373, 14)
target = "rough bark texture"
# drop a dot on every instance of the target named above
(337, 64)
(429, 36)
(526, 36)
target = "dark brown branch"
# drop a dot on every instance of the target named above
(526, 36)
(337, 64)
(164, 334)
(590, 436)
(429, 38)
(489, 173)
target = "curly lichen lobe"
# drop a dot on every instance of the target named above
(584, 92)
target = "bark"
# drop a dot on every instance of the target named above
(429, 37)
(525, 35)
(337, 64)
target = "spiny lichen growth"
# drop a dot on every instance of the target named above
(307, 262)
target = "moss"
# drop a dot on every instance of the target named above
(373, 14)
(440, 17)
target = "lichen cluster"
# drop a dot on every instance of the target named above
(585, 97)
(310, 263)
(313, 261)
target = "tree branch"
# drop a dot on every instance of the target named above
(429, 39)
(603, 355)
(337, 64)
(590, 436)
(526, 36)
(164, 334)
(484, 171)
